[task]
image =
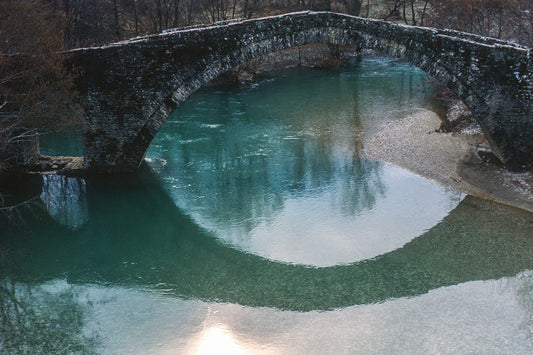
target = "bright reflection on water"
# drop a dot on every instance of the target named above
(216, 340)
(278, 169)
(210, 250)
(474, 317)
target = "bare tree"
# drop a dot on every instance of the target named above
(35, 88)
(506, 19)
(353, 7)
(424, 11)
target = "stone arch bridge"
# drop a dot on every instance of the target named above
(129, 88)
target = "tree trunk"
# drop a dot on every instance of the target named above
(135, 17)
(413, 14)
(115, 16)
(424, 13)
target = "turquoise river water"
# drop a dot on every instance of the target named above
(259, 226)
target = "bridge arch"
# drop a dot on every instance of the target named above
(130, 88)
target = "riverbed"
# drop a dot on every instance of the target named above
(452, 159)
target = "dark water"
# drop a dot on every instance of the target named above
(259, 226)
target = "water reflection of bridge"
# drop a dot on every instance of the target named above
(478, 240)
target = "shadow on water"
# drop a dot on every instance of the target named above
(139, 238)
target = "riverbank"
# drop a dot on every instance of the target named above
(455, 159)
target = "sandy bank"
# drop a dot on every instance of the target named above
(450, 159)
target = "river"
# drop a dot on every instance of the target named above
(259, 225)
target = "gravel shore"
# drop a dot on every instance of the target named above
(450, 159)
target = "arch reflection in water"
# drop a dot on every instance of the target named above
(279, 170)
(140, 239)
(65, 199)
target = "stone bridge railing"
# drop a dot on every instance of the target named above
(129, 88)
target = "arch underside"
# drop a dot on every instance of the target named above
(241, 56)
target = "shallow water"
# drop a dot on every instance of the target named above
(260, 226)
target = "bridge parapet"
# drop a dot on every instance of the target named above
(130, 88)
